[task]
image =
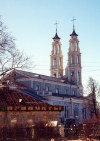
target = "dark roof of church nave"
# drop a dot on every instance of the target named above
(18, 74)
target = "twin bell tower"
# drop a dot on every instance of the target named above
(73, 67)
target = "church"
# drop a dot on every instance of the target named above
(63, 89)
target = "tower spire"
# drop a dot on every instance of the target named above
(73, 69)
(73, 33)
(56, 57)
(56, 24)
(56, 35)
(73, 23)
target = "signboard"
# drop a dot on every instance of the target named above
(31, 108)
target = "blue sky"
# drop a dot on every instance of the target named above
(31, 22)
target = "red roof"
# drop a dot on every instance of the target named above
(11, 97)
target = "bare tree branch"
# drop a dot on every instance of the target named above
(93, 93)
(10, 57)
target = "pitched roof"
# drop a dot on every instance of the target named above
(11, 97)
(25, 74)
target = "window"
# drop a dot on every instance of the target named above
(58, 48)
(72, 73)
(54, 62)
(57, 90)
(72, 59)
(72, 76)
(67, 112)
(54, 50)
(76, 112)
(37, 88)
(66, 91)
(60, 62)
(55, 75)
(78, 76)
(76, 48)
(70, 44)
(84, 113)
(78, 59)
(74, 92)
(47, 88)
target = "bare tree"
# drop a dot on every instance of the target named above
(93, 91)
(10, 57)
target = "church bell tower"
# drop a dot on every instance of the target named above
(73, 69)
(56, 57)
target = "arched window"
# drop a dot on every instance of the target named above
(78, 59)
(79, 76)
(76, 48)
(76, 112)
(54, 50)
(37, 87)
(54, 61)
(59, 63)
(73, 92)
(57, 90)
(57, 48)
(72, 59)
(72, 73)
(77, 44)
(72, 76)
(67, 91)
(47, 88)
(70, 44)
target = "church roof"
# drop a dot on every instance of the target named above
(56, 36)
(20, 74)
(73, 33)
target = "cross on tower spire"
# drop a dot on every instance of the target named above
(56, 35)
(73, 23)
(56, 24)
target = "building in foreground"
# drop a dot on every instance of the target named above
(18, 108)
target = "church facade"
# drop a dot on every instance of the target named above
(59, 88)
